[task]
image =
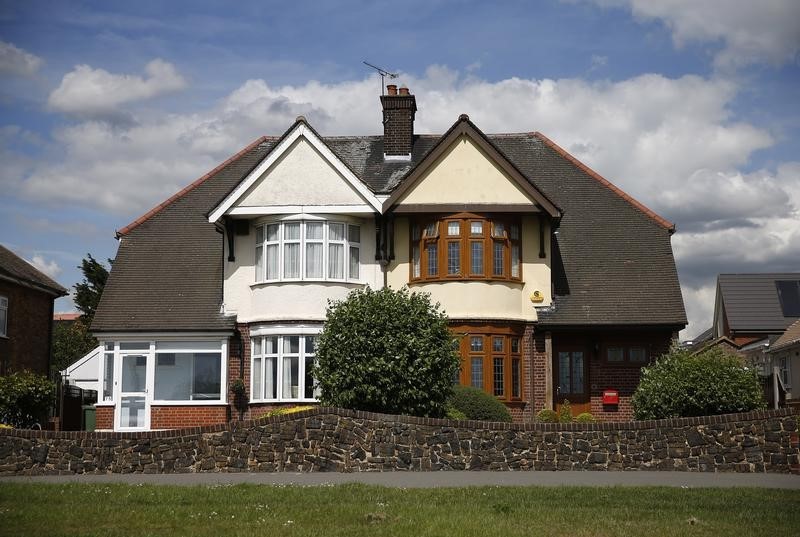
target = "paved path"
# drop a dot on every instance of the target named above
(441, 479)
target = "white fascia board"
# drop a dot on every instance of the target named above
(300, 209)
(275, 154)
(161, 336)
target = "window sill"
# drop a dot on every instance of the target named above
(416, 281)
(274, 401)
(258, 285)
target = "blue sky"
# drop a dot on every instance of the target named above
(106, 108)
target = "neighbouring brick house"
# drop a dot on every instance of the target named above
(559, 285)
(26, 313)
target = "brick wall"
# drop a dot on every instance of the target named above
(104, 417)
(538, 359)
(176, 417)
(27, 345)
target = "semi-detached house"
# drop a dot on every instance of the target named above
(558, 285)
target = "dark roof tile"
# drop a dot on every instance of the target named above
(14, 267)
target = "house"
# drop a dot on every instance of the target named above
(785, 355)
(26, 312)
(558, 285)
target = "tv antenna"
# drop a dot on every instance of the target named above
(383, 73)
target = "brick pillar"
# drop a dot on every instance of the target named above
(538, 358)
(234, 370)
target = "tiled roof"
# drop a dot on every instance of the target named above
(14, 267)
(613, 262)
(751, 301)
(790, 337)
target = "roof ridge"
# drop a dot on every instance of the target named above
(194, 184)
(663, 222)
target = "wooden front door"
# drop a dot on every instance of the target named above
(571, 380)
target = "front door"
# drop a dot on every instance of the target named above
(571, 380)
(133, 410)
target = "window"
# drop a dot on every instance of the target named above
(633, 355)
(492, 362)
(282, 368)
(3, 316)
(308, 250)
(108, 372)
(468, 247)
(188, 371)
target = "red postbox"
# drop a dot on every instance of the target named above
(610, 397)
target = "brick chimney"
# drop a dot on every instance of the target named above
(399, 108)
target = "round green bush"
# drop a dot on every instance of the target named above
(585, 417)
(386, 351)
(478, 405)
(25, 399)
(547, 415)
(454, 413)
(682, 384)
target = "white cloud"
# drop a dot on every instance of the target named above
(88, 92)
(671, 143)
(15, 61)
(50, 268)
(749, 31)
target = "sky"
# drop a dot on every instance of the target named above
(692, 107)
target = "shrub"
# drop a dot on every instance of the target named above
(547, 415)
(455, 414)
(25, 399)
(282, 411)
(478, 405)
(386, 351)
(585, 417)
(682, 384)
(565, 413)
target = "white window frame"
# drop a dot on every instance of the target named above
(301, 331)
(346, 243)
(4, 309)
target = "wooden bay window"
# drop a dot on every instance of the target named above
(491, 360)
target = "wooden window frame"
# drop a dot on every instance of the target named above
(488, 355)
(441, 238)
(626, 354)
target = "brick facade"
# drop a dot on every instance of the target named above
(29, 329)
(104, 418)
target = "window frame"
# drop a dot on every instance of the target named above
(261, 264)
(279, 356)
(626, 354)
(487, 355)
(4, 308)
(494, 230)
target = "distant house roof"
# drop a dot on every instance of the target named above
(66, 316)
(13, 267)
(612, 258)
(790, 337)
(751, 302)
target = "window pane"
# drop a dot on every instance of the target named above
(355, 257)
(454, 228)
(431, 230)
(577, 372)
(497, 344)
(516, 376)
(108, 377)
(477, 373)
(271, 345)
(308, 390)
(498, 269)
(415, 232)
(476, 228)
(132, 412)
(498, 229)
(314, 252)
(513, 232)
(259, 234)
(258, 379)
(291, 344)
(638, 354)
(109, 346)
(336, 261)
(291, 260)
(616, 354)
(476, 254)
(273, 263)
(515, 260)
(270, 378)
(173, 376)
(137, 346)
(415, 257)
(272, 232)
(290, 387)
(207, 376)
(354, 233)
(256, 346)
(433, 260)
(564, 384)
(311, 344)
(291, 231)
(515, 345)
(314, 230)
(336, 232)
(499, 377)
(453, 257)
(259, 263)
(133, 373)
(476, 344)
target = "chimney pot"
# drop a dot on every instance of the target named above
(403, 90)
(391, 89)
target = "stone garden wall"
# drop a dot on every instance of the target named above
(329, 439)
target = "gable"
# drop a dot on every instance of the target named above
(465, 174)
(301, 176)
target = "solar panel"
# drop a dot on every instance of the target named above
(789, 294)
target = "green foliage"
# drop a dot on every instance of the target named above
(547, 415)
(71, 340)
(476, 404)
(565, 412)
(585, 417)
(87, 293)
(25, 399)
(455, 414)
(711, 382)
(386, 351)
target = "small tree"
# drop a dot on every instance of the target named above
(88, 292)
(386, 351)
(682, 384)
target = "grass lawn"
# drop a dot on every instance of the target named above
(353, 510)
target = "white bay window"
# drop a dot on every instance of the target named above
(307, 250)
(281, 368)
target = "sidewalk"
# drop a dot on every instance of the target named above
(440, 479)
